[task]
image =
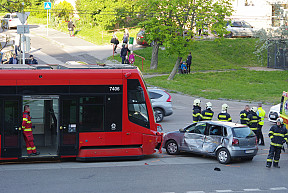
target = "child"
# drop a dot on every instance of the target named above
(131, 58)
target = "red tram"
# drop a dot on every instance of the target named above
(87, 114)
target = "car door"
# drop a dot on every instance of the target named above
(213, 138)
(194, 137)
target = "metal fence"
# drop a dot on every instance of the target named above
(278, 54)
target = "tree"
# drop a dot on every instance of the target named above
(175, 23)
(64, 10)
(14, 6)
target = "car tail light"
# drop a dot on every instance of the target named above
(10, 19)
(235, 141)
(141, 37)
(169, 98)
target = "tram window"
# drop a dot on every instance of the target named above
(137, 110)
(91, 114)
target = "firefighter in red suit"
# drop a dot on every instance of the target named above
(27, 132)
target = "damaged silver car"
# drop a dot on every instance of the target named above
(223, 140)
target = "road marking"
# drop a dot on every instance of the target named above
(278, 188)
(224, 190)
(252, 190)
(195, 192)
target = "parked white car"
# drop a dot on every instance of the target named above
(10, 20)
(240, 29)
(274, 113)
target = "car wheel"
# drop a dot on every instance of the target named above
(172, 147)
(230, 35)
(159, 115)
(223, 156)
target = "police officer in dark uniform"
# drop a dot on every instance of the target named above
(207, 114)
(253, 120)
(278, 135)
(244, 115)
(224, 115)
(197, 116)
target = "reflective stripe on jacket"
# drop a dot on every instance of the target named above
(207, 115)
(278, 135)
(253, 120)
(244, 117)
(197, 116)
(26, 123)
(224, 117)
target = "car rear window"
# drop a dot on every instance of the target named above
(242, 132)
(236, 24)
(14, 16)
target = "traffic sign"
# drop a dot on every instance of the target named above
(23, 16)
(47, 5)
(23, 29)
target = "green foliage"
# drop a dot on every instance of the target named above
(36, 8)
(63, 10)
(14, 5)
(106, 13)
(168, 21)
(258, 86)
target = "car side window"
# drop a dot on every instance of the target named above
(215, 130)
(198, 128)
(7, 16)
(154, 95)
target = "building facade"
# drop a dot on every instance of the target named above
(260, 13)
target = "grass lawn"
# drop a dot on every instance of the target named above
(260, 86)
(207, 55)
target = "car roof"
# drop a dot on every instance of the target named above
(224, 123)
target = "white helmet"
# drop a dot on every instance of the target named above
(225, 107)
(208, 105)
(196, 102)
(280, 120)
(254, 109)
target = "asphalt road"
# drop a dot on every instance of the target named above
(157, 173)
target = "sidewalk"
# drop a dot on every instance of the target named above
(59, 47)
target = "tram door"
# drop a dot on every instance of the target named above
(68, 130)
(44, 112)
(10, 122)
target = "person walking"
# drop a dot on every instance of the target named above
(244, 115)
(123, 52)
(17, 44)
(224, 115)
(27, 132)
(207, 114)
(196, 111)
(278, 136)
(253, 120)
(115, 41)
(71, 27)
(189, 62)
(262, 114)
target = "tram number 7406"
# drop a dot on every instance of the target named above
(114, 88)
